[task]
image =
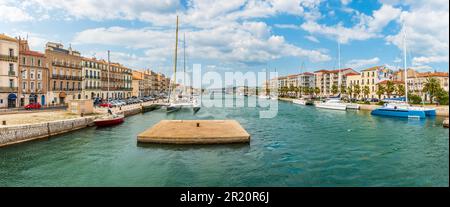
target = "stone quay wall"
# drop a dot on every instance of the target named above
(27, 132)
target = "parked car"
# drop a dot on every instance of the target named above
(33, 106)
(106, 105)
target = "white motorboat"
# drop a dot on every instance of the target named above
(302, 101)
(264, 97)
(353, 106)
(334, 104)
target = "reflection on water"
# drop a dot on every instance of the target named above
(301, 146)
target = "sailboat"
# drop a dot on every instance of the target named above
(400, 108)
(302, 101)
(178, 101)
(266, 95)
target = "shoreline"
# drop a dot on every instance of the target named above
(441, 111)
(20, 133)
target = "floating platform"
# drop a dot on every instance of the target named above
(195, 132)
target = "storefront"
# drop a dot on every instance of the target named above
(62, 97)
(32, 98)
(12, 100)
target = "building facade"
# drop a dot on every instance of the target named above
(117, 82)
(33, 76)
(417, 82)
(326, 79)
(66, 73)
(92, 83)
(138, 84)
(9, 54)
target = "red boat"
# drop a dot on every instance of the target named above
(109, 121)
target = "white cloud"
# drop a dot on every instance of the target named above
(247, 42)
(312, 38)
(13, 14)
(345, 2)
(360, 63)
(427, 30)
(367, 27)
(287, 26)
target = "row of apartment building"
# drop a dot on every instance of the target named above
(60, 75)
(370, 77)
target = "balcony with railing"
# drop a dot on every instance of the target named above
(11, 73)
(9, 89)
(8, 58)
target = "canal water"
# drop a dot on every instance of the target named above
(301, 146)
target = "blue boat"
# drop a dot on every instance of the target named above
(396, 111)
(404, 110)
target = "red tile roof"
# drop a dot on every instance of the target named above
(32, 53)
(352, 74)
(433, 74)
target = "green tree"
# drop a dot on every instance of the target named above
(366, 91)
(343, 89)
(400, 90)
(306, 90)
(356, 90)
(432, 87)
(390, 88)
(317, 91)
(291, 89)
(350, 91)
(334, 89)
(442, 97)
(380, 91)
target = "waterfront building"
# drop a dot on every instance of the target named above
(66, 73)
(92, 83)
(138, 84)
(417, 82)
(118, 83)
(33, 76)
(326, 79)
(9, 52)
(369, 77)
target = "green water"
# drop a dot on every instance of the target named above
(302, 146)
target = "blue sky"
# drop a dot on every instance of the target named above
(244, 35)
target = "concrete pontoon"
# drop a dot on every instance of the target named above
(195, 132)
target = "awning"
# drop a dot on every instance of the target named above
(62, 95)
(12, 96)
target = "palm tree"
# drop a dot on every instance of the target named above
(350, 91)
(317, 91)
(299, 91)
(432, 87)
(343, 90)
(306, 90)
(390, 88)
(380, 91)
(334, 89)
(366, 91)
(291, 89)
(296, 91)
(356, 90)
(400, 90)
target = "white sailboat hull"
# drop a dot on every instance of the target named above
(332, 106)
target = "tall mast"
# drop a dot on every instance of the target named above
(109, 65)
(184, 62)
(174, 82)
(339, 64)
(404, 62)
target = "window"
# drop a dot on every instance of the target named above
(67, 85)
(24, 61)
(39, 63)
(73, 85)
(60, 85)
(362, 82)
(24, 74)
(39, 75)
(54, 85)
(373, 81)
(11, 67)
(11, 83)
(32, 74)
(32, 61)
(79, 86)
(11, 52)
(39, 86)
(24, 85)
(373, 74)
(32, 86)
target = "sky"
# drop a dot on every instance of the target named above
(289, 36)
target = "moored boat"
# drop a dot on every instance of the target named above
(334, 104)
(399, 110)
(302, 101)
(109, 120)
